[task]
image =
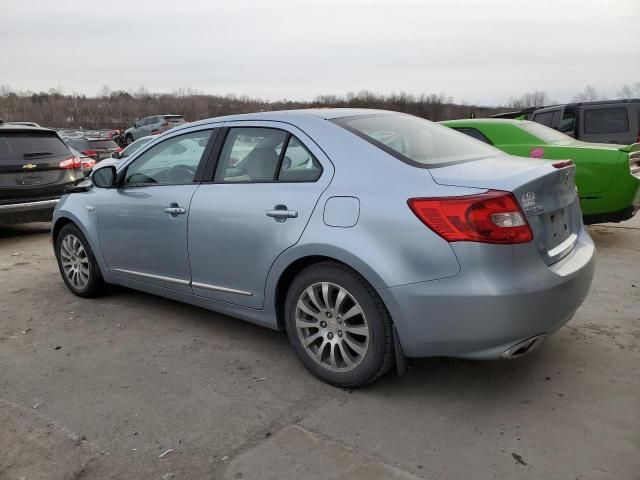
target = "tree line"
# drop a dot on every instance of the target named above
(120, 109)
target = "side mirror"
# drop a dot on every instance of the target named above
(104, 177)
(116, 155)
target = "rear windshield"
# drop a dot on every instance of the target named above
(546, 134)
(20, 146)
(414, 140)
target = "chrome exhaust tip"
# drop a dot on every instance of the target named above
(523, 348)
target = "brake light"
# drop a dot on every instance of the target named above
(88, 163)
(490, 217)
(90, 153)
(73, 162)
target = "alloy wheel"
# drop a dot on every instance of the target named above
(332, 326)
(75, 262)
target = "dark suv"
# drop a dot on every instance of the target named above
(35, 168)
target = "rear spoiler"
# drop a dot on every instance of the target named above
(634, 147)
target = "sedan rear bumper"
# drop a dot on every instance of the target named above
(502, 297)
(37, 211)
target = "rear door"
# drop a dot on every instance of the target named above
(34, 165)
(142, 225)
(268, 179)
(606, 124)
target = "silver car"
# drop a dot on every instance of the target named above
(368, 236)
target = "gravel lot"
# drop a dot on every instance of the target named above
(102, 388)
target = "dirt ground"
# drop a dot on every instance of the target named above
(132, 386)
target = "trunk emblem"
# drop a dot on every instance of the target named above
(29, 166)
(529, 204)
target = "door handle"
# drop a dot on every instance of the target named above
(282, 213)
(175, 210)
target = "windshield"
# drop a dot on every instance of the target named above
(415, 140)
(546, 134)
(135, 146)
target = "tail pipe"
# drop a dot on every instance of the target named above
(520, 349)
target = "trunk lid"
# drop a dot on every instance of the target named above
(546, 194)
(30, 165)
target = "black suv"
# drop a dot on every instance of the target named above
(35, 168)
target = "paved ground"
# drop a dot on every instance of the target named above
(102, 388)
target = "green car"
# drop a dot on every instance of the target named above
(607, 175)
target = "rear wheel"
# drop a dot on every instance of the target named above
(338, 325)
(77, 264)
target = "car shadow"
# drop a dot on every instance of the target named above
(12, 231)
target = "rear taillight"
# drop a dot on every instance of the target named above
(88, 163)
(73, 162)
(491, 217)
(90, 153)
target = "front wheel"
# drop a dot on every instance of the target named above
(77, 264)
(338, 325)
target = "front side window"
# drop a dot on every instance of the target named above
(414, 140)
(173, 161)
(606, 120)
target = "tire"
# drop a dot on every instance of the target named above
(77, 264)
(339, 347)
(128, 140)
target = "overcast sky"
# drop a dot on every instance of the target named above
(474, 50)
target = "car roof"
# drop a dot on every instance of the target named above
(291, 115)
(24, 128)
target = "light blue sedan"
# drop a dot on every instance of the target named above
(368, 236)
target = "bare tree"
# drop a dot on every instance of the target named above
(630, 91)
(589, 94)
(537, 98)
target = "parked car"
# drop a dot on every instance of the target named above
(132, 147)
(35, 168)
(608, 121)
(24, 124)
(96, 148)
(368, 236)
(607, 175)
(152, 126)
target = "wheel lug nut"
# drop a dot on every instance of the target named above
(328, 314)
(330, 336)
(339, 320)
(323, 324)
(339, 333)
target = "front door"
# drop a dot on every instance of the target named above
(267, 182)
(142, 225)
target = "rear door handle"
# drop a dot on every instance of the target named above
(282, 213)
(175, 210)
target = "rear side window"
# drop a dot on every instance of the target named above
(606, 120)
(543, 118)
(568, 122)
(414, 140)
(472, 132)
(21, 146)
(298, 164)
